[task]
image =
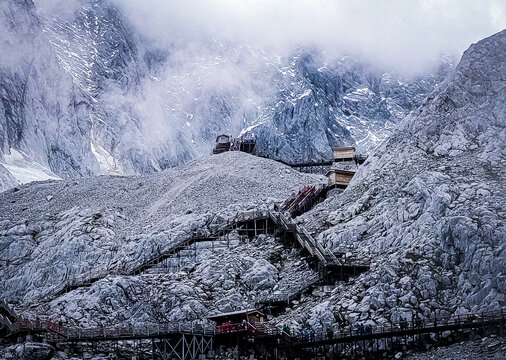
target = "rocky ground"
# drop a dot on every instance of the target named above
(88, 94)
(427, 209)
(490, 348)
(51, 232)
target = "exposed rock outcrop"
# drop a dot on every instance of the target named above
(427, 208)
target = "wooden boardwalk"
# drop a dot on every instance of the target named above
(353, 341)
(88, 279)
(247, 224)
(388, 339)
(404, 329)
(287, 297)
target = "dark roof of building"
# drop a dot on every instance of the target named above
(347, 172)
(233, 313)
(344, 148)
(228, 136)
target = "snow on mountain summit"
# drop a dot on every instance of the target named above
(128, 221)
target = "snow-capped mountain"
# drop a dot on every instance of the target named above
(107, 224)
(320, 105)
(89, 95)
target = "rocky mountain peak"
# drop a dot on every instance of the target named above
(427, 206)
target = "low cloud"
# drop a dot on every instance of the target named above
(400, 35)
(407, 36)
(62, 8)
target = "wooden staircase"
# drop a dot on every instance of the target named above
(280, 224)
(304, 200)
(12, 324)
(306, 241)
(87, 279)
(287, 297)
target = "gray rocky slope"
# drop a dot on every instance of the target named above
(428, 208)
(89, 95)
(56, 231)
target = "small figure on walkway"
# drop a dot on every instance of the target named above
(244, 324)
(311, 334)
(330, 333)
(286, 329)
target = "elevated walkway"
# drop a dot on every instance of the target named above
(304, 200)
(330, 267)
(305, 240)
(405, 328)
(196, 339)
(7, 317)
(286, 298)
(246, 224)
(14, 324)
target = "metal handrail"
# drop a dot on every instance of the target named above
(140, 330)
(428, 324)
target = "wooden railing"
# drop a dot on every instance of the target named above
(302, 339)
(39, 324)
(307, 241)
(138, 331)
(420, 326)
(88, 278)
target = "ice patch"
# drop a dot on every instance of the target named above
(108, 163)
(25, 170)
(250, 128)
(307, 92)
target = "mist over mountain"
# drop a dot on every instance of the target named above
(86, 91)
(426, 211)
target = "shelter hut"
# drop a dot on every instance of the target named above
(223, 143)
(339, 178)
(344, 153)
(234, 321)
(247, 145)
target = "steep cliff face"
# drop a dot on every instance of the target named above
(88, 95)
(40, 122)
(320, 105)
(110, 66)
(427, 208)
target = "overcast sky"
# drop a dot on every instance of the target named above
(403, 34)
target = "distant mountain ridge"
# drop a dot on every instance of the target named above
(91, 96)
